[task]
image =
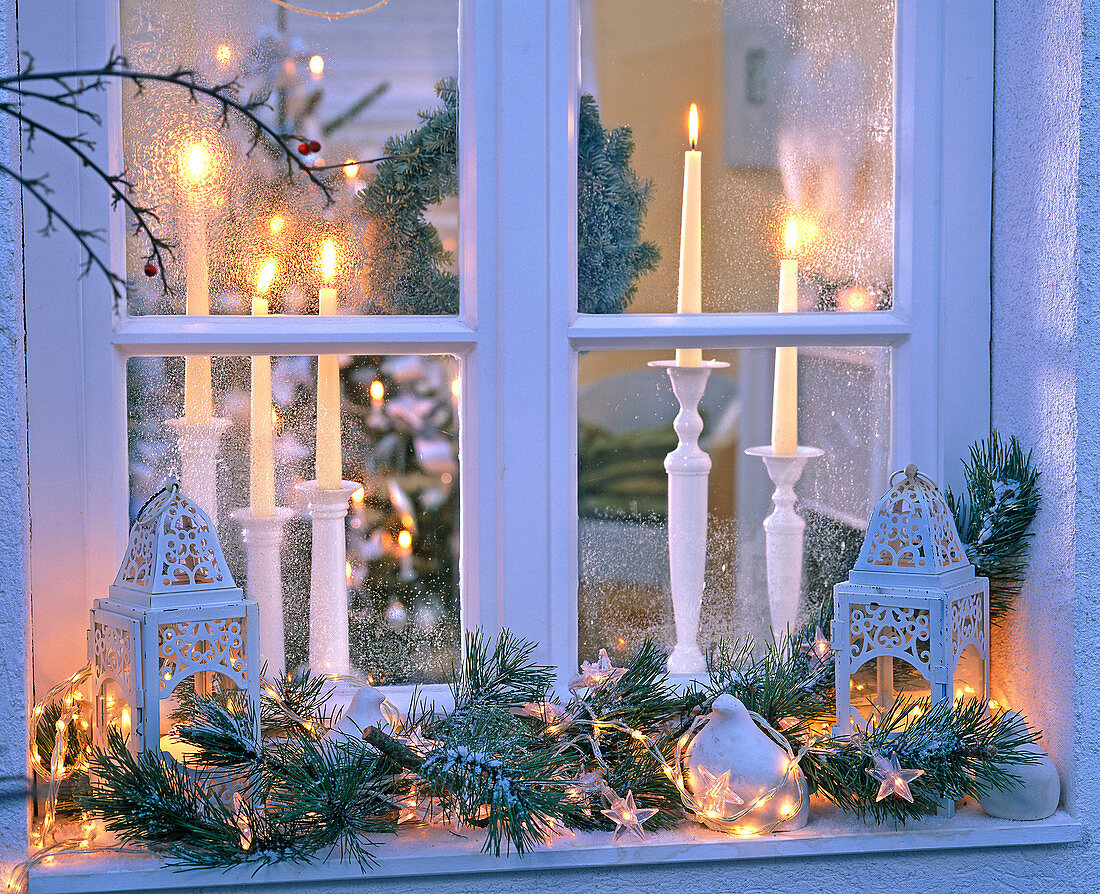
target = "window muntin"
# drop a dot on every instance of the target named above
(797, 105)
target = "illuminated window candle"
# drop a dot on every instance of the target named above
(196, 167)
(785, 393)
(329, 465)
(262, 477)
(690, 295)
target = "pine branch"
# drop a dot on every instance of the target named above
(500, 675)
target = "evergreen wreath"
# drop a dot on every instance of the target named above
(408, 270)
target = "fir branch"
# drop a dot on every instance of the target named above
(498, 675)
(994, 517)
(148, 801)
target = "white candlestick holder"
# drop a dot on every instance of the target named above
(198, 451)
(784, 529)
(688, 468)
(263, 540)
(329, 647)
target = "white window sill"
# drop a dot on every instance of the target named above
(437, 852)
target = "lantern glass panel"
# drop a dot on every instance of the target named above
(796, 109)
(399, 440)
(113, 710)
(625, 411)
(348, 83)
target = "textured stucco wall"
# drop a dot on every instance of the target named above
(1045, 372)
(14, 512)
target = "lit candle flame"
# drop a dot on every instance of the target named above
(316, 66)
(790, 236)
(196, 162)
(693, 125)
(359, 495)
(266, 276)
(328, 260)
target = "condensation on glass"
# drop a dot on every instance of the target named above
(348, 83)
(625, 412)
(399, 432)
(796, 123)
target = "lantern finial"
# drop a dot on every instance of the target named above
(911, 471)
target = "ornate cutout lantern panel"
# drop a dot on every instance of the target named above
(173, 617)
(912, 596)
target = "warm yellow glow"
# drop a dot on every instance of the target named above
(316, 66)
(856, 298)
(456, 388)
(351, 169)
(277, 224)
(224, 54)
(445, 477)
(274, 416)
(790, 236)
(627, 816)
(266, 276)
(377, 390)
(347, 571)
(404, 539)
(621, 642)
(693, 125)
(328, 260)
(197, 163)
(359, 495)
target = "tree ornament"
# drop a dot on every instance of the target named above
(303, 149)
(314, 146)
(732, 759)
(627, 817)
(151, 269)
(894, 779)
(396, 617)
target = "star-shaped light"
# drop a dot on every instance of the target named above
(626, 816)
(820, 649)
(715, 794)
(597, 673)
(895, 780)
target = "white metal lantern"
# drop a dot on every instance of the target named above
(912, 595)
(173, 614)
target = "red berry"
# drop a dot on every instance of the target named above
(303, 148)
(151, 269)
(314, 146)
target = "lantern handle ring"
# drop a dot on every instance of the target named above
(171, 484)
(910, 472)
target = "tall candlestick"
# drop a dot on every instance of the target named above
(196, 163)
(329, 465)
(785, 393)
(262, 478)
(690, 295)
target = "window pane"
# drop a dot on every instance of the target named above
(796, 117)
(399, 440)
(625, 411)
(351, 84)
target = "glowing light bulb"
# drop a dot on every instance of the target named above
(404, 539)
(266, 276)
(693, 125)
(377, 391)
(224, 54)
(347, 571)
(790, 236)
(278, 224)
(316, 67)
(359, 495)
(351, 169)
(328, 260)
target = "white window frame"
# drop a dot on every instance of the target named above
(518, 332)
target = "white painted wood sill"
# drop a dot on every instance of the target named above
(437, 852)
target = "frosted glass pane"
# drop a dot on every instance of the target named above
(350, 84)
(399, 437)
(796, 122)
(625, 412)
